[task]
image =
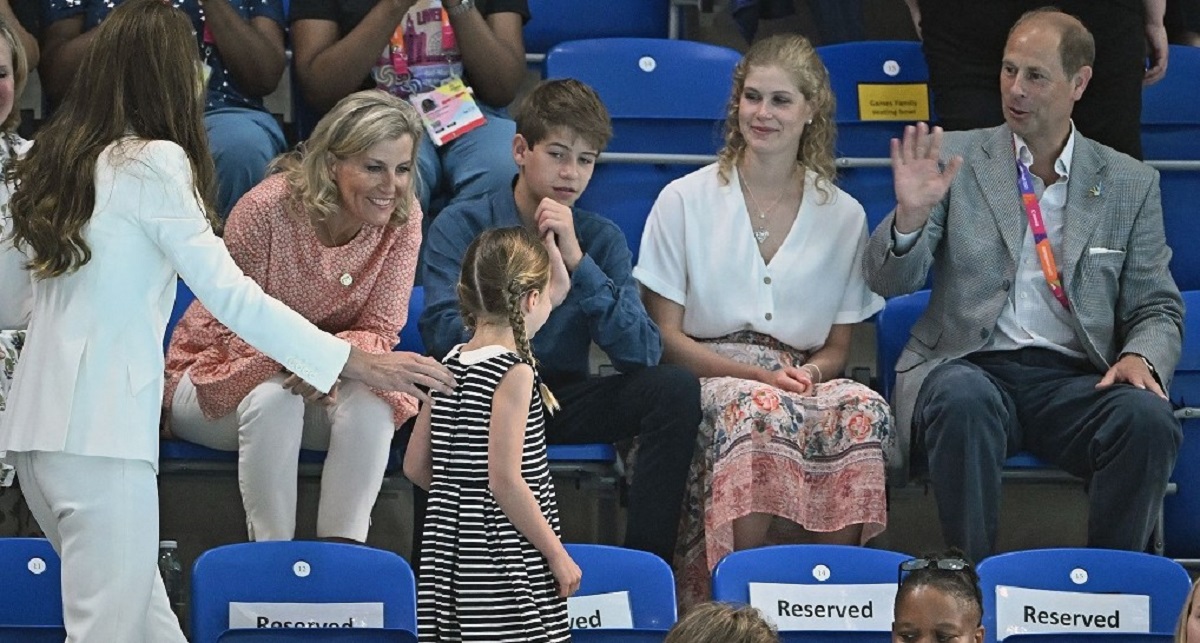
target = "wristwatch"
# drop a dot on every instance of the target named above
(460, 8)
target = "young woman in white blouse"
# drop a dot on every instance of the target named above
(110, 207)
(750, 267)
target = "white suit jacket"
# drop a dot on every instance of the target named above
(90, 378)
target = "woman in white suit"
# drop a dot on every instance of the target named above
(112, 204)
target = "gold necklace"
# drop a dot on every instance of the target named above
(761, 233)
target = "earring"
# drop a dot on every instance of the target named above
(808, 122)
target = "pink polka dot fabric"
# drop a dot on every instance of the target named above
(358, 291)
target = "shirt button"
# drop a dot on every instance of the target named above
(768, 316)
(767, 280)
(1024, 295)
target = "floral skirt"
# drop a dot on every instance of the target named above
(814, 461)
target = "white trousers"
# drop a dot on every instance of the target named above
(269, 428)
(101, 516)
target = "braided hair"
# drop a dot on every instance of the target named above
(962, 584)
(500, 267)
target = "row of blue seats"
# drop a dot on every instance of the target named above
(252, 579)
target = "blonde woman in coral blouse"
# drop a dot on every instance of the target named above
(334, 234)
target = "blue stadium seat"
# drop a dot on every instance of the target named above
(618, 636)
(863, 144)
(812, 565)
(410, 335)
(1087, 571)
(1170, 112)
(1181, 219)
(1170, 128)
(305, 573)
(1182, 509)
(665, 97)
(646, 577)
(852, 66)
(554, 21)
(31, 600)
(1092, 637)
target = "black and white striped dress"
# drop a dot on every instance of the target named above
(481, 580)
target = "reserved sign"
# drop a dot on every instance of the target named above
(600, 611)
(825, 607)
(296, 615)
(1034, 611)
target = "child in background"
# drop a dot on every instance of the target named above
(938, 601)
(492, 565)
(722, 623)
(1188, 630)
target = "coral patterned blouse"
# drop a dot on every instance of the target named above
(358, 291)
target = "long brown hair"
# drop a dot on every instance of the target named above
(139, 78)
(501, 266)
(796, 57)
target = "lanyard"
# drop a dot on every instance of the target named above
(1041, 243)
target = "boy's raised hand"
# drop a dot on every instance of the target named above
(560, 278)
(552, 216)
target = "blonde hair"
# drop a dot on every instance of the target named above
(1181, 628)
(722, 623)
(500, 267)
(796, 57)
(20, 72)
(354, 125)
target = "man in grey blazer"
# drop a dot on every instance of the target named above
(1072, 367)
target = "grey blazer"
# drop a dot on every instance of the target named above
(1114, 264)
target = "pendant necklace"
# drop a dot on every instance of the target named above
(761, 233)
(346, 279)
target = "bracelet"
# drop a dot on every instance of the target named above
(819, 377)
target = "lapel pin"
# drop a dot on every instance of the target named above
(1095, 191)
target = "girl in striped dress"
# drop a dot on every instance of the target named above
(492, 566)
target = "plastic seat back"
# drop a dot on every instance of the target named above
(296, 572)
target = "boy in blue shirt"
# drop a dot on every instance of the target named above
(561, 128)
